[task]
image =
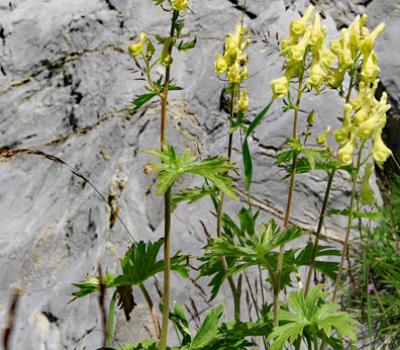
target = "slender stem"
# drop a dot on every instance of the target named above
(152, 309)
(349, 223)
(288, 206)
(331, 175)
(167, 199)
(236, 293)
(167, 271)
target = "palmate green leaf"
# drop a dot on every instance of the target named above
(143, 345)
(178, 317)
(193, 194)
(208, 330)
(173, 166)
(139, 264)
(309, 317)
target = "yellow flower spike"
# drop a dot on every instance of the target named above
(234, 74)
(220, 64)
(280, 87)
(326, 57)
(316, 77)
(137, 49)
(345, 154)
(317, 34)
(323, 138)
(243, 102)
(380, 151)
(298, 26)
(369, 68)
(180, 5)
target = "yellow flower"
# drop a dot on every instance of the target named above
(347, 111)
(367, 44)
(298, 26)
(369, 68)
(296, 52)
(379, 151)
(326, 57)
(345, 154)
(368, 126)
(317, 34)
(180, 5)
(243, 102)
(137, 49)
(316, 77)
(341, 135)
(287, 42)
(220, 64)
(234, 74)
(335, 77)
(280, 87)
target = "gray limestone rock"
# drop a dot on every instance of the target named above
(65, 85)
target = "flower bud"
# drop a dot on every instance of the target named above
(323, 138)
(244, 75)
(280, 87)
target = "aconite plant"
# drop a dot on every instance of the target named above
(240, 247)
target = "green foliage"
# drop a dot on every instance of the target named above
(311, 318)
(247, 161)
(173, 166)
(194, 194)
(140, 100)
(138, 265)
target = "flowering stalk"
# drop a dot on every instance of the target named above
(167, 198)
(232, 63)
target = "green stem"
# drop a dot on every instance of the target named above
(331, 175)
(276, 287)
(167, 272)
(349, 223)
(110, 321)
(167, 199)
(236, 292)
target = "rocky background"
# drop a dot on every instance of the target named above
(65, 85)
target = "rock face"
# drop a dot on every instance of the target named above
(65, 85)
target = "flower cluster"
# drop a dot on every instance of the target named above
(233, 63)
(305, 43)
(356, 43)
(180, 5)
(364, 118)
